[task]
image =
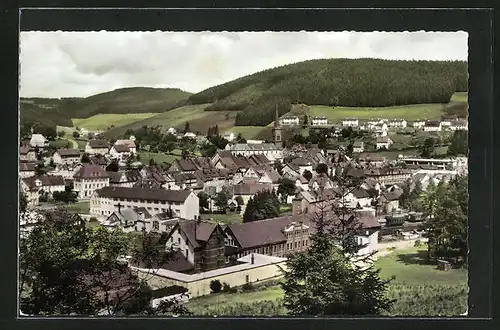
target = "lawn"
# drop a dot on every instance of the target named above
(79, 207)
(409, 267)
(248, 132)
(159, 158)
(104, 121)
(197, 305)
(226, 219)
(408, 112)
(460, 97)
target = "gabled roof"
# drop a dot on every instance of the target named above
(251, 188)
(46, 180)
(25, 149)
(63, 152)
(90, 172)
(197, 232)
(128, 143)
(98, 144)
(27, 167)
(121, 148)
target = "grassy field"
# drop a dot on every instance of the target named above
(79, 207)
(197, 305)
(248, 132)
(159, 158)
(103, 121)
(408, 112)
(227, 219)
(409, 267)
(460, 97)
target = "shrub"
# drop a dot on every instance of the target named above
(215, 286)
(247, 287)
(93, 219)
(418, 243)
(227, 288)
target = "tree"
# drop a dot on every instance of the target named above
(239, 200)
(263, 205)
(322, 168)
(221, 199)
(40, 170)
(447, 207)
(152, 162)
(286, 188)
(219, 141)
(240, 138)
(186, 127)
(326, 278)
(113, 167)
(428, 149)
(23, 202)
(61, 134)
(76, 135)
(85, 159)
(203, 200)
(67, 268)
(66, 196)
(459, 144)
(215, 286)
(278, 166)
(307, 175)
(305, 121)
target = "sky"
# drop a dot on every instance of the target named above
(80, 64)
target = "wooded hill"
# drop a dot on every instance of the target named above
(120, 101)
(342, 82)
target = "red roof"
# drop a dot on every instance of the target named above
(90, 172)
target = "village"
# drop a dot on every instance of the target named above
(199, 203)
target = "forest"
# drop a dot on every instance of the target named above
(336, 82)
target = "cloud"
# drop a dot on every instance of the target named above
(79, 64)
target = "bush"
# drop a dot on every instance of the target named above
(248, 287)
(418, 243)
(227, 288)
(93, 219)
(215, 286)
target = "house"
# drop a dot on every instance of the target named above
(172, 131)
(189, 135)
(88, 179)
(45, 183)
(27, 154)
(287, 235)
(383, 142)
(107, 200)
(158, 223)
(201, 244)
(319, 121)
(432, 126)
(129, 143)
(249, 190)
(418, 124)
(397, 123)
(381, 130)
(190, 165)
(289, 120)
(155, 178)
(27, 170)
(120, 152)
(350, 122)
(358, 147)
(97, 147)
(439, 163)
(127, 219)
(99, 160)
(389, 201)
(67, 171)
(371, 160)
(459, 125)
(123, 178)
(229, 136)
(66, 156)
(271, 150)
(388, 176)
(38, 140)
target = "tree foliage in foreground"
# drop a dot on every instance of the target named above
(330, 278)
(69, 269)
(263, 205)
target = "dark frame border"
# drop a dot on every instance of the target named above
(477, 22)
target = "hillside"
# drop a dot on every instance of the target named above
(125, 100)
(52, 112)
(340, 82)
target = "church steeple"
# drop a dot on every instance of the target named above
(277, 128)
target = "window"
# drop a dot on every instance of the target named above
(187, 254)
(156, 225)
(247, 278)
(295, 244)
(179, 240)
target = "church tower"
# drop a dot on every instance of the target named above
(277, 129)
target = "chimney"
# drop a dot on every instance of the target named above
(252, 259)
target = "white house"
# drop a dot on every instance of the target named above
(358, 147)
(107, 200)
(47, 183)
(383, 142)
(67, 171)
(270, 150)
(229, 136)
(38, 140)
(27, 170)
(66, 156)
(129, 143)
(289, 121)
(397, 123)
(418, 124)
(88, 179)
(459, 125)
(352, 122)
(172, 131)
(27, 154)
(97, 147)
(432, 126)
(190, 135)
(120, 152)
(319, 121)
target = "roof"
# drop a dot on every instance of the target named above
(144, 194)
(392, 195)
(432, 123)
(301, 161)
(38, 138)
(270, 231)
(63, 152)
(128, 143)
(187, 165)
(98, 144)
(27, 167)
(91, 171)
(196, 231)
(98, 160)
(25, 149)
(371, 158)
(121, 148)
(46, 180)
(251, 188)
(383, 139)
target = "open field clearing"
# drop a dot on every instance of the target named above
(248, 132)
(104, 121)
(460, 97)
(408, 112)
(159, 158)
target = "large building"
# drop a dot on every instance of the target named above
(66, 156)
(183, 203)
(88, 179)
(272, 151)
(277, 129)
(97, 147)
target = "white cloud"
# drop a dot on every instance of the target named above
(63, 64)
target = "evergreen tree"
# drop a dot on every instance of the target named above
(286, 188)
(263, 205)
(459, 144)
(186, 127)
(307, 175)
(203, 200)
